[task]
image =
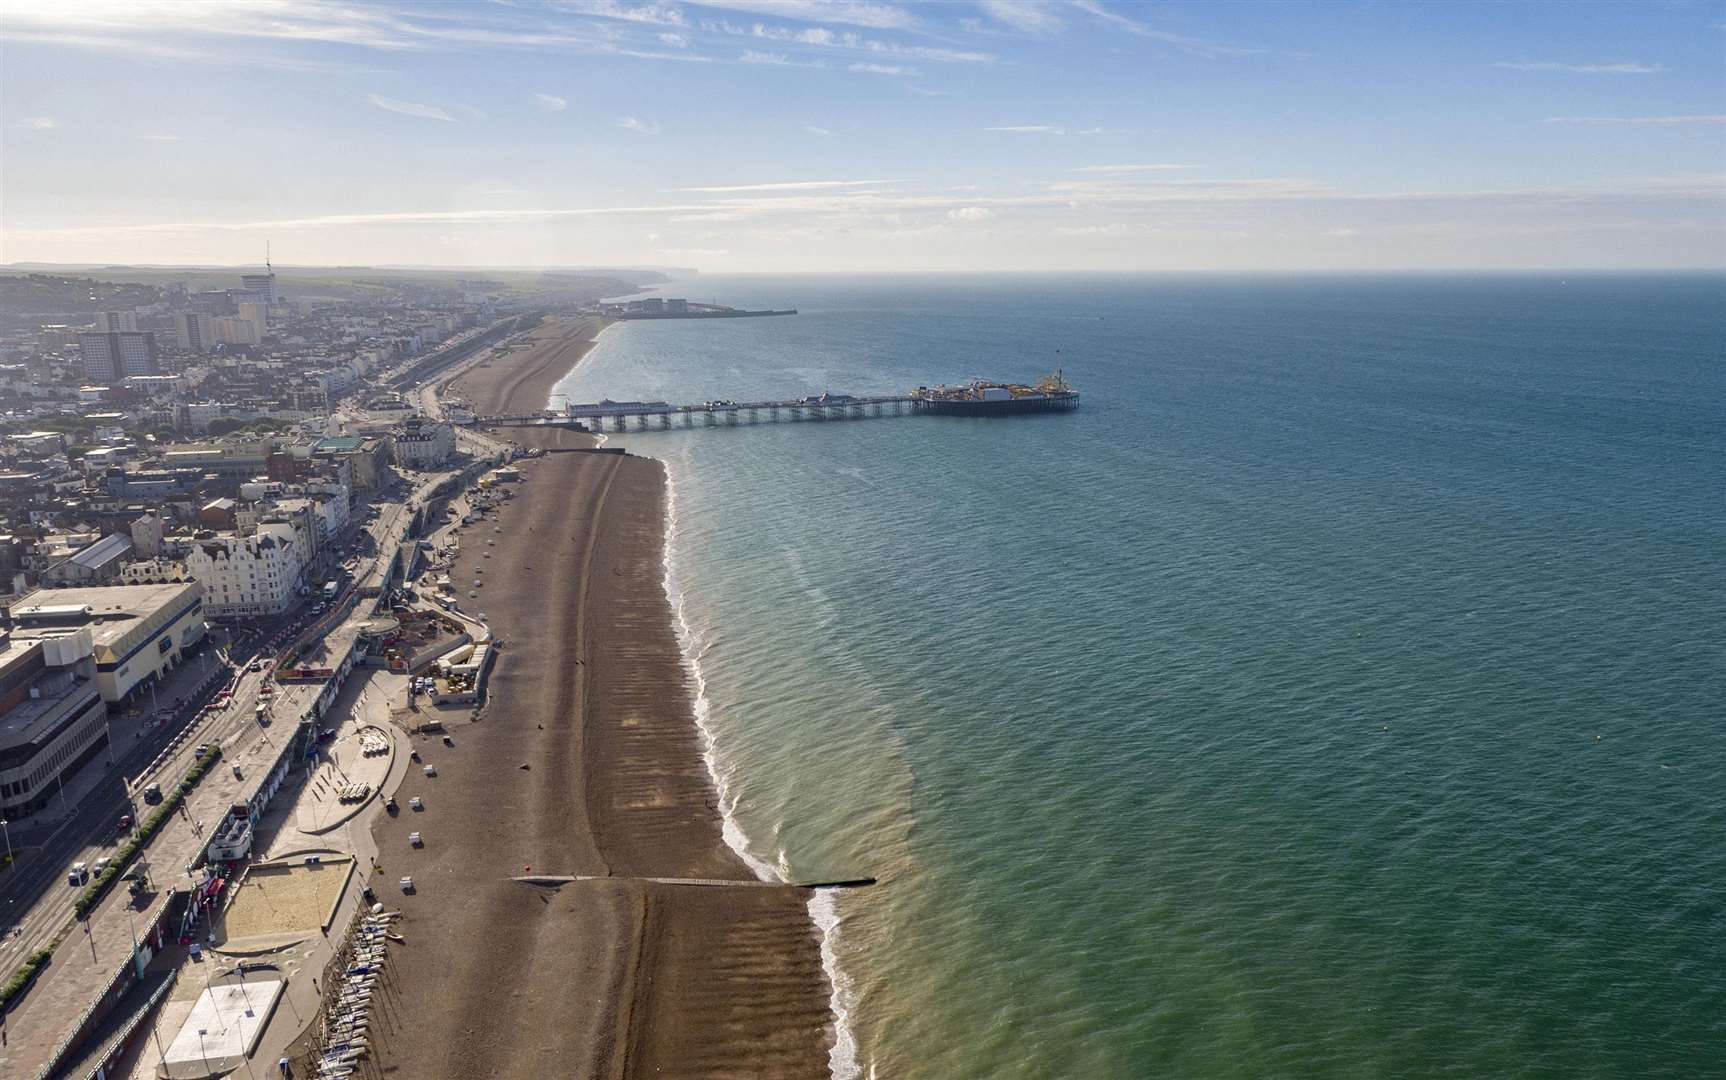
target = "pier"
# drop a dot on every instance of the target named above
(648, 415)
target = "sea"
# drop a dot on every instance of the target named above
(1339, 692)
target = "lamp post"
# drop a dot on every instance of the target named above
(6, 827)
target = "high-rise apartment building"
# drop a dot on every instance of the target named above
(195, 331)
(113, 322)
(108, 358)
(262, 284)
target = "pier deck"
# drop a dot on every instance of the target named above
(616, 415)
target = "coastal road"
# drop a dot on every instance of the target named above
(35, 897)
(39, 889)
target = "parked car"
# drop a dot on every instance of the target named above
(78, 875)
(153, 794)
(199, 751)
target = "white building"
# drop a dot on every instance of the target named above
(52, 719)
(422, 444)
(248, 576)
(137, 632)
(112, 322)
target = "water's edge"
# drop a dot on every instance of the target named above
(823, 905)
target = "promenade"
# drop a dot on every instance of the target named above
(255, 760)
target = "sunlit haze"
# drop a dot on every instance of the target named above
(765, 135)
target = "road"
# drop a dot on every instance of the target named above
(38, 887)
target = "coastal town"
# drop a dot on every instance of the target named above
(250, 542)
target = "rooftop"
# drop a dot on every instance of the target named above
(112, 609)
(109, 547)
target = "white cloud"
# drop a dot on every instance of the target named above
(971, 214)
(161, 138)
(661, 14)
(874, 16)
(863, 208)
(821, 131)
(1659, 121)
(1028, 129)
(692, 253)
(676, 41)
(776, 59)
(881, 69)
(646, 127)
(793, 185)
(551, 102)
(1131, 168)
(1581, 69)
(1207, 49)
(1031, 16)
(410, 108)
(39, 123)
(822, 38)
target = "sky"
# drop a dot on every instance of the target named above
(866, 135)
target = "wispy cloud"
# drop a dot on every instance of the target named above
(1656, 121)
(821, 131)
(410, 108)
(820, 37)
(1580, 69)
(39, 123)
(646, 127)
(873, 16)
(1132, 168)
(1028, 129)
(161, 138)
(793, 185)
(551, 102)
(971, 214)
(775, 59)
(850, 205)
(655, 13)
(881, 69)
(1030, 16)
(1194, 46)
(676, 41)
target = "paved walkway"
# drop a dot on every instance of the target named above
(365, 702)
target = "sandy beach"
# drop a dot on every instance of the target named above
(586, 761)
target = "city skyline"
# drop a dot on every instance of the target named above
(755, 135)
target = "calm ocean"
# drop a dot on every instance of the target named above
(1337, 694)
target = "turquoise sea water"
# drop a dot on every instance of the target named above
(1337, 693)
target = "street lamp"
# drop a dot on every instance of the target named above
(5, 826)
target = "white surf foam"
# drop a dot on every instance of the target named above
(823, 906)
(691, 646)
(842, 1058)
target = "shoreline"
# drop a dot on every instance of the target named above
(823, 911)
(601, 772)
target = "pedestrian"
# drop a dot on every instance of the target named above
(287, 1069)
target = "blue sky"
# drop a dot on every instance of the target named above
(863, 135)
